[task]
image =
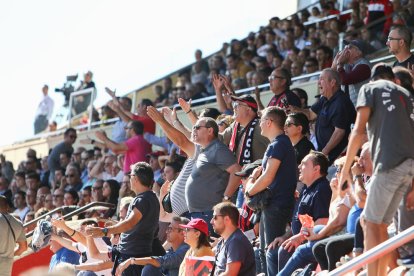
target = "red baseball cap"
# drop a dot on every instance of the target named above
(198, 224)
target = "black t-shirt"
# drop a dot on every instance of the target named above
(337, 112)
(404, 64)
(139, 239)
(313, 201)
(302, 148)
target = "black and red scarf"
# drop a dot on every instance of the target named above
(246, 154)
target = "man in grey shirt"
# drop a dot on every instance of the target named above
(386, 111)
(11, 233)
(212, 178)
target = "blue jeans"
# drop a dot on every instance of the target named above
(302, 256)
(240, 197)
(273, 223)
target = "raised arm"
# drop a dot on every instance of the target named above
(115, 147)
(186, 107)
(173, 134)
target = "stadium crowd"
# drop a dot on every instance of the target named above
(307, 185)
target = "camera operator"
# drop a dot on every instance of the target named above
(83, 101)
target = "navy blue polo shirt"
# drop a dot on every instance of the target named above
(313, 201)
(284, 183)
(337, 112)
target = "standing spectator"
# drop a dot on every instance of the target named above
(296, 128)
(199, 59)
(234, 253)
(11, 234)
(278, 174)
(44, 111)
(279, 81)
(378, 9)
(82, 102)
(398, 43)
(135, 148)
(380, 105)
(353, 68)
(215, 165)
(69, 138)
(139, 228)
(334, 114)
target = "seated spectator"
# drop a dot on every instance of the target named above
(32, 180)
(85, 196)
(366, 37)
(104, 168)
(303, 97)
(72, 178)
(234, 253)
(44, 172)
(62, 254)
(31, 199)
(5, 191)
(196, 236)
(97, 190)
(58, 195)
(169, 264)
(236, 67)
(69, 138)
(70, 198)
(324, 57)
(20, 204)
(88, 182)
(49, 202)
(41, 196)
(197, 73)
(110, 193)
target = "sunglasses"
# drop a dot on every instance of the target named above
(197, 127)
(69, 175)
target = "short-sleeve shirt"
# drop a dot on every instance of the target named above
(118, 133)
(404, 63)
(302, 148)
(284, 183)
(208, 179)
(337, 112)
(139, 239)
(7, 242)
(149, 124)
(138, 148)
(313, 201)
(391, 123)
(64, 255)
(285, 99)
(236, 248)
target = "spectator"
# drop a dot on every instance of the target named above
(332, 41)
(69, 139)
(12, 234)
(302, 95)
(58, 195)
(97, 190)
(40, 197)
(72, 178)
(135, 148)
(324, 57)
(168, 264)
(279, 81)
(298, 32)
(44, 111)
(198, 75)
(139, 228)
(314, 201)
(234, 253)
(196, 236)
(20, 205)
(44, 172)
(199, 59)
(393, 162)
(61, 254)
(70, 198)
(49, 202)
(208, 164)
(367, 37)
(103, 169)
(218, 64)
(236, 68)
(64, 159)
(379, 9)
(110, 193)
(334, 114)
(5, 191)
(278, 174)
(297, 129)
(7, 169)
(353, 68)
(398, 43)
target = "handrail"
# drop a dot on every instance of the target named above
(327, 18)
(376, 252)
(69, 215)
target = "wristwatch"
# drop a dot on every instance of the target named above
(105, 231)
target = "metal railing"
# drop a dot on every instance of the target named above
(76, 210)
(376, 252)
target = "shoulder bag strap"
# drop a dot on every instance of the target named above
(11, 228)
